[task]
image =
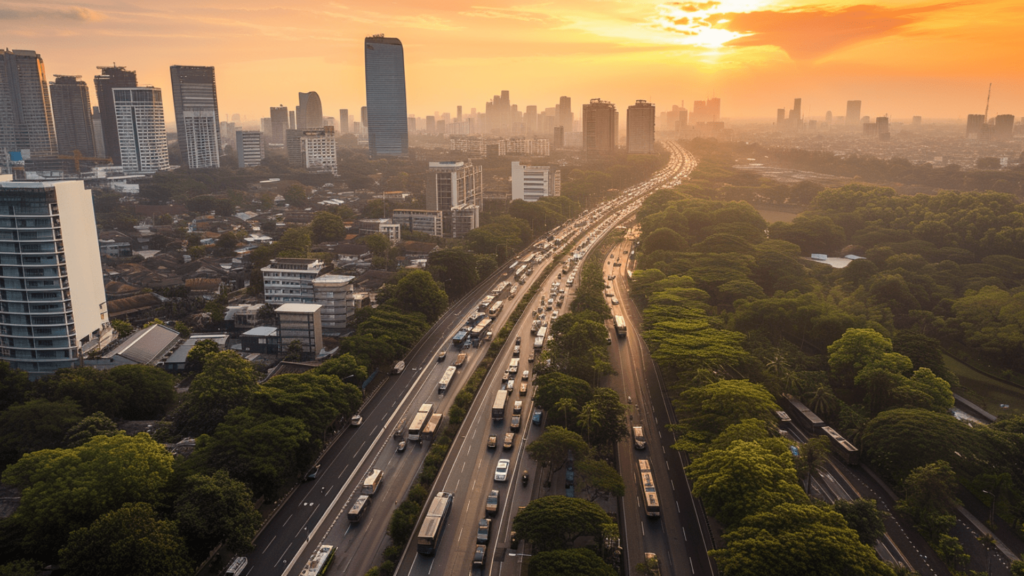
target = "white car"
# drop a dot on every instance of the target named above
(501, 472)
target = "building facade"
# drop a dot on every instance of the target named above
(194, 89)
(640, 128)
(309, 114)
(531, 183)
(111, 77)
(853, 113)
(278, 124)
(26, 119)
(319, 150)
(383, 226)
(336, 296)
(301, 322)
(54, 307)
(290, 280)
(455, 185)
(425, 221)
(140, 129)
(72, 116)
(386, 113)
(249, 146)
(600, 127)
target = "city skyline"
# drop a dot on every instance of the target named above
(900, 59)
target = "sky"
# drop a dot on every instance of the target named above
(901, 58)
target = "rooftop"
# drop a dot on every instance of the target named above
(147, 346)
(262, 331)
(296, 308)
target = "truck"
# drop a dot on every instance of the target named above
(460, 360)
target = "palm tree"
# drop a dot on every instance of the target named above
(588, 416)
(814, 453)
(565, 405)
(823, 402)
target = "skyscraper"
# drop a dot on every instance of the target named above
(343, 125)
(563, 113)
(600, 126)
(278, 124)
(195, 110)
(61, 313)
(72, 115)
(309, 114)
(640, 128)
(249, 146)
(26, 120)
(385, 97)
(291, 119)
(97, 131)
(852, 113)
(141, 133)
(111, 77)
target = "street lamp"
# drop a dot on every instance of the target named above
(992, 513)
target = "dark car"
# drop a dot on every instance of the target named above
(480, 555)
(519, 340)
(493, 499)
(483, 533)
(311, 475)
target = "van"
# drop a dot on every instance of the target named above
(373, 481)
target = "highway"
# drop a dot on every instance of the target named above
(468, 471)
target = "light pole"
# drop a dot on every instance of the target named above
(992, 513)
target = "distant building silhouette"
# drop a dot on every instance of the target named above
(1003, 128)
(194, 89)
(640, 128)
(343, 123)
(975, 126)
(852, 112)
(309, 114)
(111, 77)
(386, 113)
(26, 119)
(600, 127)
(72, 115)
(278, 124)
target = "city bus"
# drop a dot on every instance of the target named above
(639, 442)
(420, 420)
(496, 308)
(498, 408)
(372, 482)
(358, 510)
(538, 342)
(237, 565)
(430, 428)
(620, 326)
(433, 525)
(318, 564)
(446, 379)
(652, 506)
(485, 303)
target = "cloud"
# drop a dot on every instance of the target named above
(13, 12)
(810, 33)
(504, 13)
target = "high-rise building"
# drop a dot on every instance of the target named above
(236, 118)
(309, 114)
(1003, 127)
(563, 113)
(97, 132)
(852, 113)
(293, 148)
(975, 126)
(278, 124)
(249, 146)
(291, 119)
(640, 128)
(600, 127)
(882, 126)
(111, 77)
(385, 97)
(194, 89)
(362, 116)
(455, 189)
(140, 129)
(530, 118)
(828, 117)
(558, 137)
(343, 125)
(780, 118)
(796, 114)
(531, 183)
(319, 150)
(72, 115)
(26, 119)
(336, 295)
(431, 125)
(60, 313)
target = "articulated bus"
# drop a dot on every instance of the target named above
(652, 506)
(620, 326)
(319, 562)
(446, 379)
(433, 525)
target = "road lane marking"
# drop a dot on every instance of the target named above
(269, 543)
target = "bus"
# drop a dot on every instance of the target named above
(433, 525)
(496, 308)
(237, 565)
(318, 564)
(513, 366)
(446, 379)
(485, 303)
(538, 342)
(372, 481)
(418, 421)
(639, 442)
(620, 326)
(478, 332)
(459, 340)
(498, 409)
(842, 447)
(431, 427)
(358, 510)
(460, 360)
(652, 506)
(521, 272)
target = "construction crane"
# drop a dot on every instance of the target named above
(987, 100)
(78, 157)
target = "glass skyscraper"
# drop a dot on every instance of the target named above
(387, 122)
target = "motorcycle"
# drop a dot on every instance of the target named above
(526, 477)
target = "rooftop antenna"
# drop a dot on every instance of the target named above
(987, 100)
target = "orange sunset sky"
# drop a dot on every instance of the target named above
(901, 58)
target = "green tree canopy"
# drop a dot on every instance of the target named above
(552, 448)
(707, 411)
(417, 292)
(864, 517)
(345, 367)
(456, 269)
(598, 479)
(555, 522)
(214, 509)
(200, 352)
(95, 424)
(572, 562)
(327, 227)
(554, 386)
(94, 390)
(151, 391)
(227, 381)
(35, 425)
(900, 440)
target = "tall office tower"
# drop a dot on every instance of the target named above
(278, 124)
(531, 183)
(412, 124)
(140, 129)
(249, 146)
(882, 126)
(780, 118)
(194, 89)
(852, 113)
(796, 114)
(558, 137)
(440, 126)
(431, 125)
(343, 125)
(385, 97)
(455, 189)
(72, 115)
(266, 126)
(600, 127)
(1003, 128)
(530, 119)
(640, 128)
(975, 126)
(97, 133)
(26, 120)
(458, 113)
(715, 109)
(291, 119)
(60, 313)
(309, 114)
(293, 148)
(111, 77)
(563, 113)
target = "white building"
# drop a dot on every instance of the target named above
(140, 129)
(249, 146)
(531, 183)
(301, 322)
(426, 221)
(334, 294)
(455, 187)
(288, 280)
(54, 305)
(319, 150)
(383, 226)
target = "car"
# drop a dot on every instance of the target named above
(493, 499)
(311, 475)
(480, 555)
(522, 389)
(517, 407)
(357, 420)
(510, 385)
(492, 441)
(515, 352)
(510, 439)
(526, 375)
(501, 470)
(533, 356)
(442, 356)
(519, 340)
(514, 425)
(483, 531)
(608, 340)
(615, 301)
(402, 445)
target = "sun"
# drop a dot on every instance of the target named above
(699, 23)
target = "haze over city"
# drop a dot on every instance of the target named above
(900, 58)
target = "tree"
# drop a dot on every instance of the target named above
(610, 423)
(214, 509)
(417, 292)
(796, 538)
(345, 367)
(125, 542)
(35, 425)
(813, 454)
(182, 329)
(744, 479)
(456, 269)
(123, 328)
(931, 498)
(94, 390)
(295, 195)
(572, 562)
(66, 489)
(95, 424)
(706, 411)
(326, 227)
(13, 385)
(294, 351)
(563, 407)
(555, 386)
(555, 522)
(864, 517)
(664, 239)
(597, 479)
(857, 349)
(578, 347)
(227, 381)
(196, 358)
(151, 391)
(900, 440)
(552, 448)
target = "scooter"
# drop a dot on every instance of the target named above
(526, 477)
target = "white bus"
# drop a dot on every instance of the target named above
(620, 326)
(358, 510)
(433, 525)
(418, 421)
(538, 342)
(319, 562)
(652, 506)
(237, 565)
(446, 379)
(498, 408)
(372, 482)
(496, 308)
